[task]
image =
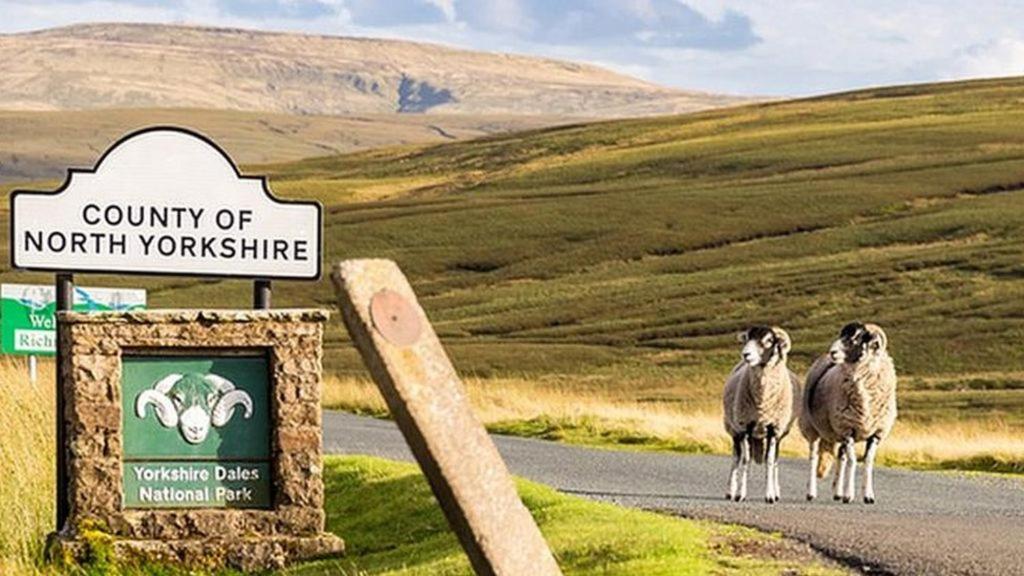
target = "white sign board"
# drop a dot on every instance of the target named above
(165, 201)
(27, 324)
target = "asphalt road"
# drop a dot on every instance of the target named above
(924, 523)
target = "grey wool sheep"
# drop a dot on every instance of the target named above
(849, 397)
(761, 402)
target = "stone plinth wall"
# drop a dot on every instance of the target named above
(93, 345)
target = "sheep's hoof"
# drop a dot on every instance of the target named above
(810, 497)
(837, 497)
(847, 499)
(739, 498)
(869, 499)
(769, 500)
(776, 498)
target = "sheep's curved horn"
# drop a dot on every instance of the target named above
(166, 383)
(225, 407)
(783, 336)
(876, 332)
(162, 406)
(222, 384)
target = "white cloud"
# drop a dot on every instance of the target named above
(500, 15)
(447, 7)
(1001, 57)
(25, 16)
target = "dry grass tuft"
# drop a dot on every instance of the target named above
(557, 410)
(503, 403)
(26, 465)
(973, 445)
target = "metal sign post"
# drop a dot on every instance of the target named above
(261, 295)
(65, 295)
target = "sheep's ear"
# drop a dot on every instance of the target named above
(742, 337)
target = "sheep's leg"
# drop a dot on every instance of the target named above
(734, 473)
(839, 480)
(775, 467)
(851, 470)
(869, 469)
(744, 467)
(771, 441)
(812, 483)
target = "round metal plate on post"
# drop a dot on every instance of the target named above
(395, 318)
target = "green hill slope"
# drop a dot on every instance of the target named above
(640, 247)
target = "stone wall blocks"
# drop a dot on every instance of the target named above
(249, 539)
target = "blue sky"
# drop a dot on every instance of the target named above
(794, 47)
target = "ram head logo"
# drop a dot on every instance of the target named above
(193, 403)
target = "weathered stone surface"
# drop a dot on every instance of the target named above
(246, 553)
(205, 538)
(429, 403)
(208, 317)
(301, 414)
(298, 438)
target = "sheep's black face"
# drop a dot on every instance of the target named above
(857, 342)
(761, 345)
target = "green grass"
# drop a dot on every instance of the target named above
(640, 246)
(392, 525)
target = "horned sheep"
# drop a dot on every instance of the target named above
(761, 401)
(849, 397)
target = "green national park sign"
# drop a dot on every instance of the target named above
(196, 432)
(27, 324)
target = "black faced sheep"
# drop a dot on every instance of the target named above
(849, 397)
(761, 401)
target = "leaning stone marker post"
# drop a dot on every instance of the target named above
(461, 463)
(194, 436)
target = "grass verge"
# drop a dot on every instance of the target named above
(393, 526)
